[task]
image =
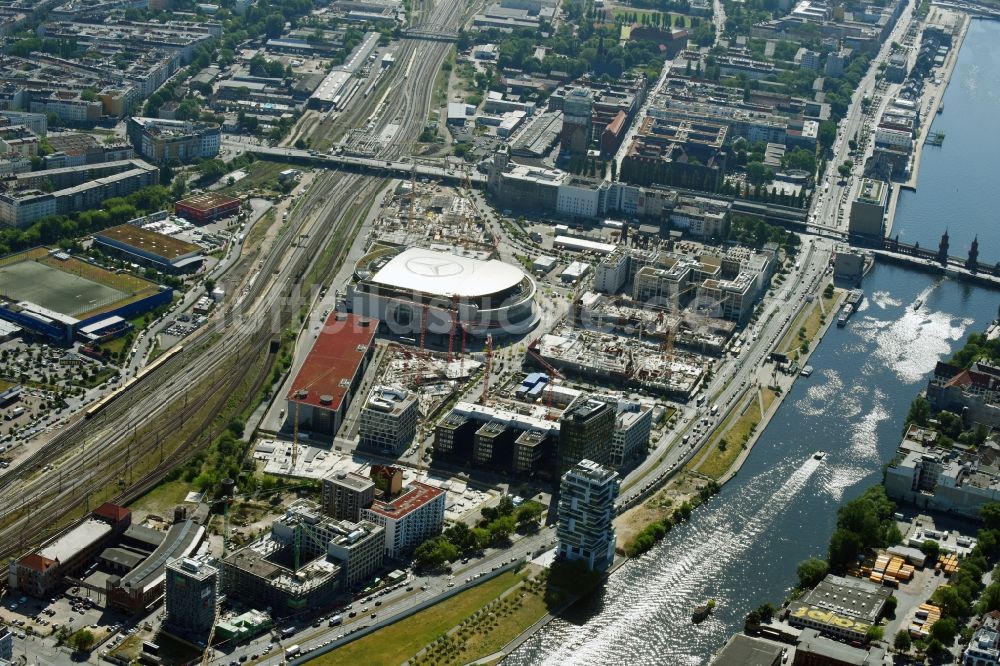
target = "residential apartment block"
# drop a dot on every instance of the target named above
(161, 141)
(586, 532)
(345, 494)
(408, 519)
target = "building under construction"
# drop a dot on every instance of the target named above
(623, 316)
(304, 561)
(622, 361)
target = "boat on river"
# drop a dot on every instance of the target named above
(701, 613)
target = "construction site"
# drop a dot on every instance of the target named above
(620, 361)
(433, 215)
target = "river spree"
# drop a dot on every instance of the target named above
(742, 547)
(957, 188)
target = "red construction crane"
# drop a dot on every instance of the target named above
(489, 369)
(454, 324)
(553, 373)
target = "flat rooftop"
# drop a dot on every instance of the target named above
(328, 371)
(77, 539)
(152, 242)
(442, 273)
(872, 191)
(415, 497)
(207, 201)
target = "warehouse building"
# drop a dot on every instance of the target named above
(149, 248)
(845, 608)
(207, 207)
(389, 419)
(331, 374)
(144, 585)
(41, 571)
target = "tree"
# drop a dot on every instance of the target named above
(845, 169)
(919, 414)
(890, 605)
(82, 640)
(827, 133)
(274, 24)
(874, 633)
(990, 514)
(811, 572)
(902, 642)
(844, 548)
(931, 549)
(755, 172)
(945, 630)
(434, 552)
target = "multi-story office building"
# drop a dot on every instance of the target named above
(585, 431)
(578, 108)
(586, 529)
(360, 549)
(867, 217)
(631, 436)
(345, 494)
(389, 419)
(729, 299)
(529, 450)
(410, 518)
(192, 592)
(6, 644)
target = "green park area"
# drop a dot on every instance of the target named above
(401, 641)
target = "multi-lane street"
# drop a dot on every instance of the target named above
(831, 207)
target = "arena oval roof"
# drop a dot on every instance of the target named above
(445, 274)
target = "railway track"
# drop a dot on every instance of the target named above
(90, 455)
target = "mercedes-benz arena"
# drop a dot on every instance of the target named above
(397, 286)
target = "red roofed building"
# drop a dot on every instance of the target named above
(973, 393)
(410, 518)
(34, 574)
(670, 42)
(611, 137)
(331, 374)
(119, 517)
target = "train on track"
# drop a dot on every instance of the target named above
(99, 406)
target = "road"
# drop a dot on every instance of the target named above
(395, 605)
(830, 210)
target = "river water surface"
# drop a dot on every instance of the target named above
(741, 548)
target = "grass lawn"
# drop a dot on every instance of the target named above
(5, 384)
(262, 173)
(767, 396)
(478, 640)
(804, 328)
(735, 432)
(397, 643)
(163, 498)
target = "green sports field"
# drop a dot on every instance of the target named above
(59, 290)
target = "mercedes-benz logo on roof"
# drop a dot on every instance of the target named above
(433, 266)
